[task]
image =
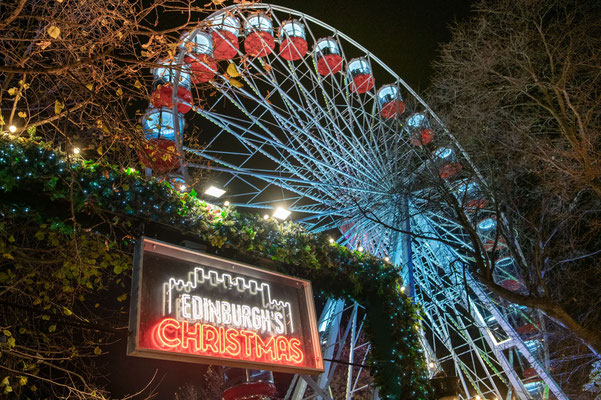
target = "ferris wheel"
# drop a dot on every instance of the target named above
(297, 117)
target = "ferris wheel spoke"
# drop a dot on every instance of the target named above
(294, 108)
(277, 144)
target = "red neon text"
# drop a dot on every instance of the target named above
(203, 339)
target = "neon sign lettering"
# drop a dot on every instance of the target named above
(194, 307)
(208, 340)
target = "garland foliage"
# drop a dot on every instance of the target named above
(34, 178)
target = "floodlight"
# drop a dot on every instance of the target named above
(215, 192)
(281, 213)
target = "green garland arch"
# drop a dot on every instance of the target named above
(29, 170)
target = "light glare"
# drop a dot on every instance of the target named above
(281, 213)
(12, 129)
(76, 150)
(215, 192)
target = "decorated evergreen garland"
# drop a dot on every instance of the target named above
(31, 171)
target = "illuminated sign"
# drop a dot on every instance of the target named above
(195, 307)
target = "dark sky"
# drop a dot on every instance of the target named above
(404, 35)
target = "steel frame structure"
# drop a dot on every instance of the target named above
(284, 134)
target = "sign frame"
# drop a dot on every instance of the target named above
(148, 245)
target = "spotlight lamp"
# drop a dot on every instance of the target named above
(214, 192)
(281, 213)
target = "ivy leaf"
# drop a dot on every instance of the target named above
(22, 114)
(99, 150)
(13, 91)
(52, 328)
(98, 351)
(54, 31)
(137, 84)
(90, 86)
(119, 92)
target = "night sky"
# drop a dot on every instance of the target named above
(404, 35)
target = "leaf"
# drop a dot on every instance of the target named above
(54, 31)
(22, 380)
(58, 107)
(11, 239)
(52, 328)
(232, 70)
(117, 269)
(99, 150)
(90, 86)
(122, 298)
(235, 83)
(13, 91)
(137, 84)
(43, 44)
(98, 351)
(119, 92)
(67, 311)
(22, 114)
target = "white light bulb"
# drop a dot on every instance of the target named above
(76, 150)
(432, 365)
(331, 240)
(226, 203)
(360, 248)
(12, 129)
(403, 289)
(386, 259)
(265, 216)
(182, 187)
